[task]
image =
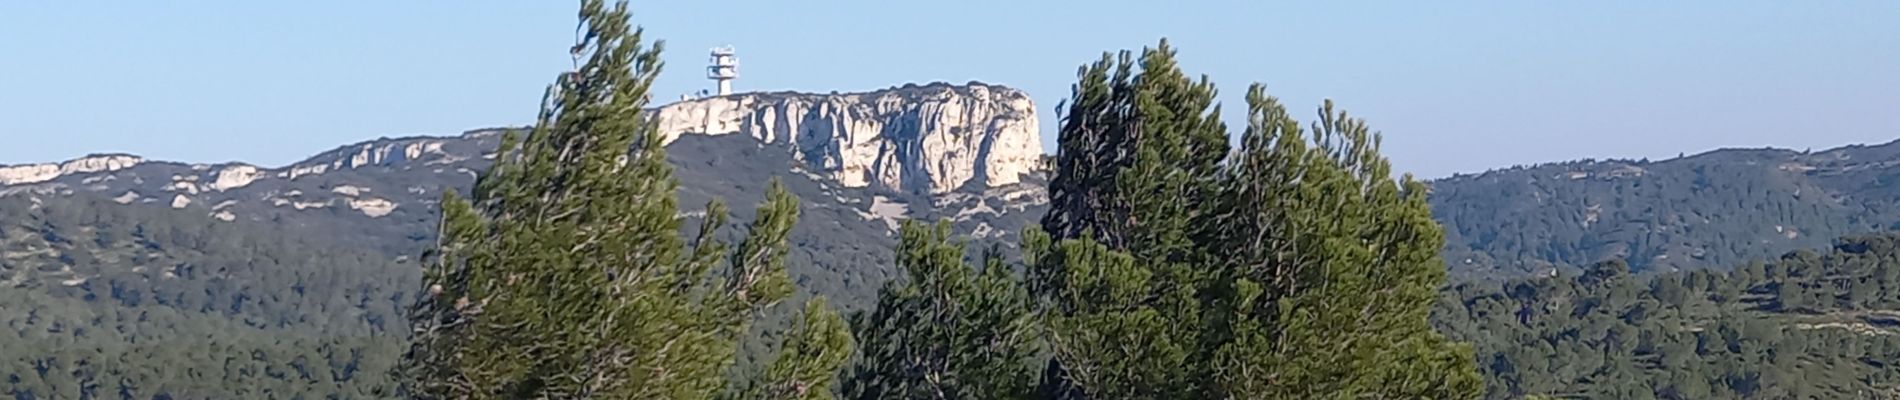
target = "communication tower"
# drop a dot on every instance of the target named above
(724, 69)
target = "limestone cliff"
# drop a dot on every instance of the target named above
(36, 173)
(933, 138)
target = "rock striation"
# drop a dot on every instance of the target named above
(36, 173)
(933, 138)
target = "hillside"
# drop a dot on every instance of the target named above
(1808, 325)
(1715, 209)
(148, 302)
(294, 286)
(372, 205)
(935, 149)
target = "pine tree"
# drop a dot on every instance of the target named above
(948, 330)
(1115, 261)
(1334, 268)
(1296, 268)
(808, 365)
(565, 274)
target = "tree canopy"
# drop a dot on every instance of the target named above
(565, 275)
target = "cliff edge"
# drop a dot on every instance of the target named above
(933, 138)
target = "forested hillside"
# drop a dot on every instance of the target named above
(1806, 325)
(137, 302)
(1712, 210)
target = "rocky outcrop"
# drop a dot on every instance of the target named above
(934, 138)
(36, 173)
(234, 190)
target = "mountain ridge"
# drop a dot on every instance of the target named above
(380, 194)
(1717, 208)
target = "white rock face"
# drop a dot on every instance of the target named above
(893, 214)
(99, 163)
(373, 207)
(180, 201)
(31, 173)
(297, 171)
(36, 173)
(387, 152)
(932, 138)
(349, 190)
(235, 176)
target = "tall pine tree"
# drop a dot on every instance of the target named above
(565, 275)
(1140, 150)
(1332, 268)
(1295, 268)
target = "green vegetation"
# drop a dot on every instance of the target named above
(808, 365)
(1172, 263)
(566, 276)
(1165, 269)
(106, 300)
(1712, 210)
(1297, 268)
(1808, 325)
(946, 331)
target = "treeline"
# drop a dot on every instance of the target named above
(103, 300)
(67, 348)
(1808, 325)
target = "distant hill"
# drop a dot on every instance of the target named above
(107, 300)
(1715, 209)
(1806, 325)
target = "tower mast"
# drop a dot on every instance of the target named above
(724, 69)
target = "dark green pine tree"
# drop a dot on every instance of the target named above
(565, 275)
(1332, 270)
(1296, 268)
(948, 330)
(809, 363)
(1140, 147)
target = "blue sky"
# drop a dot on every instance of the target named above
(1455, 86)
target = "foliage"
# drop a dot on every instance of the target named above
(1169, 265)
(808, 366)
(1137, 156)
(1286, 271)
(566, 276)
(948, 330)
(1712, 210)
(1809, 325)
(103, 299)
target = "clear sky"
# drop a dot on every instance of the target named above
(1455, 86)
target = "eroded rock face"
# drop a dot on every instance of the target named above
(235, 176)
(934, 138)
(36, 173)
